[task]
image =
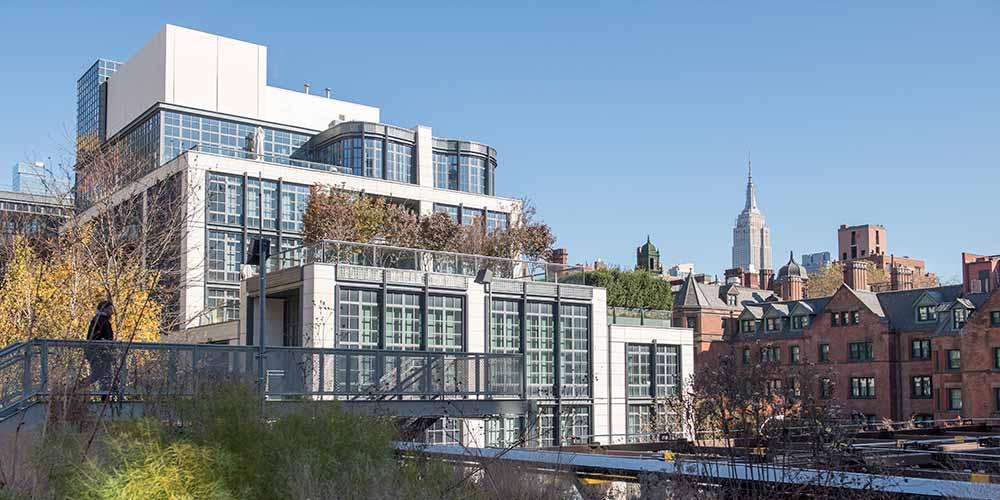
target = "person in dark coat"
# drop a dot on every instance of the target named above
(100, 357)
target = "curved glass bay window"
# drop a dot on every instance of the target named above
(461, 172)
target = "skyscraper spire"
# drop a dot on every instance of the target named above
(751, 203)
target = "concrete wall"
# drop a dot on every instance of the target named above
(214, 73)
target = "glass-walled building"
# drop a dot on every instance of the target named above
(158, 112)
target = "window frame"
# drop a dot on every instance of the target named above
(951, 391)
(921, 387)
(860, 351)
(862, 388)
(953, 363)
(926, 353)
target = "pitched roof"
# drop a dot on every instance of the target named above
(691, 294)
(869, 299)
(712, 296)
(899, 306)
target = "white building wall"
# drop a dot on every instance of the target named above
(600, 369)
(319, 299)
(213, 73)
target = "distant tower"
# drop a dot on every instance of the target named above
(647, 258)
(751, 237)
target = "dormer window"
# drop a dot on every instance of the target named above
(926, 313)
(800, 322)
(772, 324)
(958, 317)
(731, 300)
(746, 325)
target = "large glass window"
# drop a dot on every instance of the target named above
(505, 323)
(472, 174)
(444, 431)
(540, 351)
(638, 371)
(225, 199)
(399, 162)
(860, 351)
(182, 132)
(291, 252)
(293, 206)
(445, 316)
(223, 304)
(270, 204)
(574, 424)
(348, 152)
(373, 158)
(639, 423)
(503, 431)
(359, 319)
(451, 210)
(225, 256)
(469, 215)
(668, 370)
(446, 171)
(575, 350)
(402, 321)
(496, 221)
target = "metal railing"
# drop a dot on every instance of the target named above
(415, 259)
(639, 317)
(272, 158)
(33, 370)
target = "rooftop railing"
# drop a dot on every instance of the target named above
(272, 158)
(415, 259)
(639, 317)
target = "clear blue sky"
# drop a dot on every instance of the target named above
(620, 119)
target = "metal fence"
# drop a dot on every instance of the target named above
(639, 317)
(40, 367)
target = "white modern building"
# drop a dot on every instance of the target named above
(198, 107)
(397, 328)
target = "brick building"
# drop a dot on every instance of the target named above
(910, 353)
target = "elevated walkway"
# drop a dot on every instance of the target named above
(382, 382)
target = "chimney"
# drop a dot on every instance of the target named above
(901, 277)
(856, 274)
(306, 88)
(328, 92)
(767, 279)
(734, 273)
(751, 280)
(791, 288)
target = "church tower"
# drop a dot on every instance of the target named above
(647, 258)
(751, 236)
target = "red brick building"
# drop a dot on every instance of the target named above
(911, 353)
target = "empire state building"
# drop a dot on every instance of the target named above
(751, 237)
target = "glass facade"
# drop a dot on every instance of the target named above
(574, 423)
(638, 371)
(444, 431)
(445, 319)
(504, 431)
(463, 173)
(90, 114)
(183, 131)
(540, 351)
(293, 206)
(399, 163)
(359, 319)
(270, 196)
(639, 424)
(402, 321)
(505, 326)
(224, 303)
(225, 256)
(575, 350)
(495, 221)
(652, 370)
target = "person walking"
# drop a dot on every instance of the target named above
(99, 356)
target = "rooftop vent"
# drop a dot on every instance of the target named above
(328, 92)
(306, 88)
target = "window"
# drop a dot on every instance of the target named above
(503, 432)
(954, 359)
(773, 387)
(505, 325)
(638, 371)
(270, 204)
(770, 354)
(834, 319)
(444, 431)
(225, 256)
(692, 322)
(668, 370)
(996, 398)
(794, 389)
(859, 351)
(399, 162)
(446, 171)
(862, 387)
(472, 174)
(920, 349)
(225, 199)
(746, 355)
(793, 355)
(469, 215)
(451, 210)
(403, 329)
(958, 317)
(639, 419)
(291, 252)
(293, 206)
(223, 304)
(272, 261)
(855, 317)
(955, 399)
(496, 221)
(926, 313)
(800, 322)
(574, 424)
(825, 388)
(731, 300)
(747, 325)
(445, 317)
(920, 387)
(771, 324)
(540, 351)
(994, 318)
(824, 353)
(373, 158)
(359, 319)
(996, 357)
(574, 330)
